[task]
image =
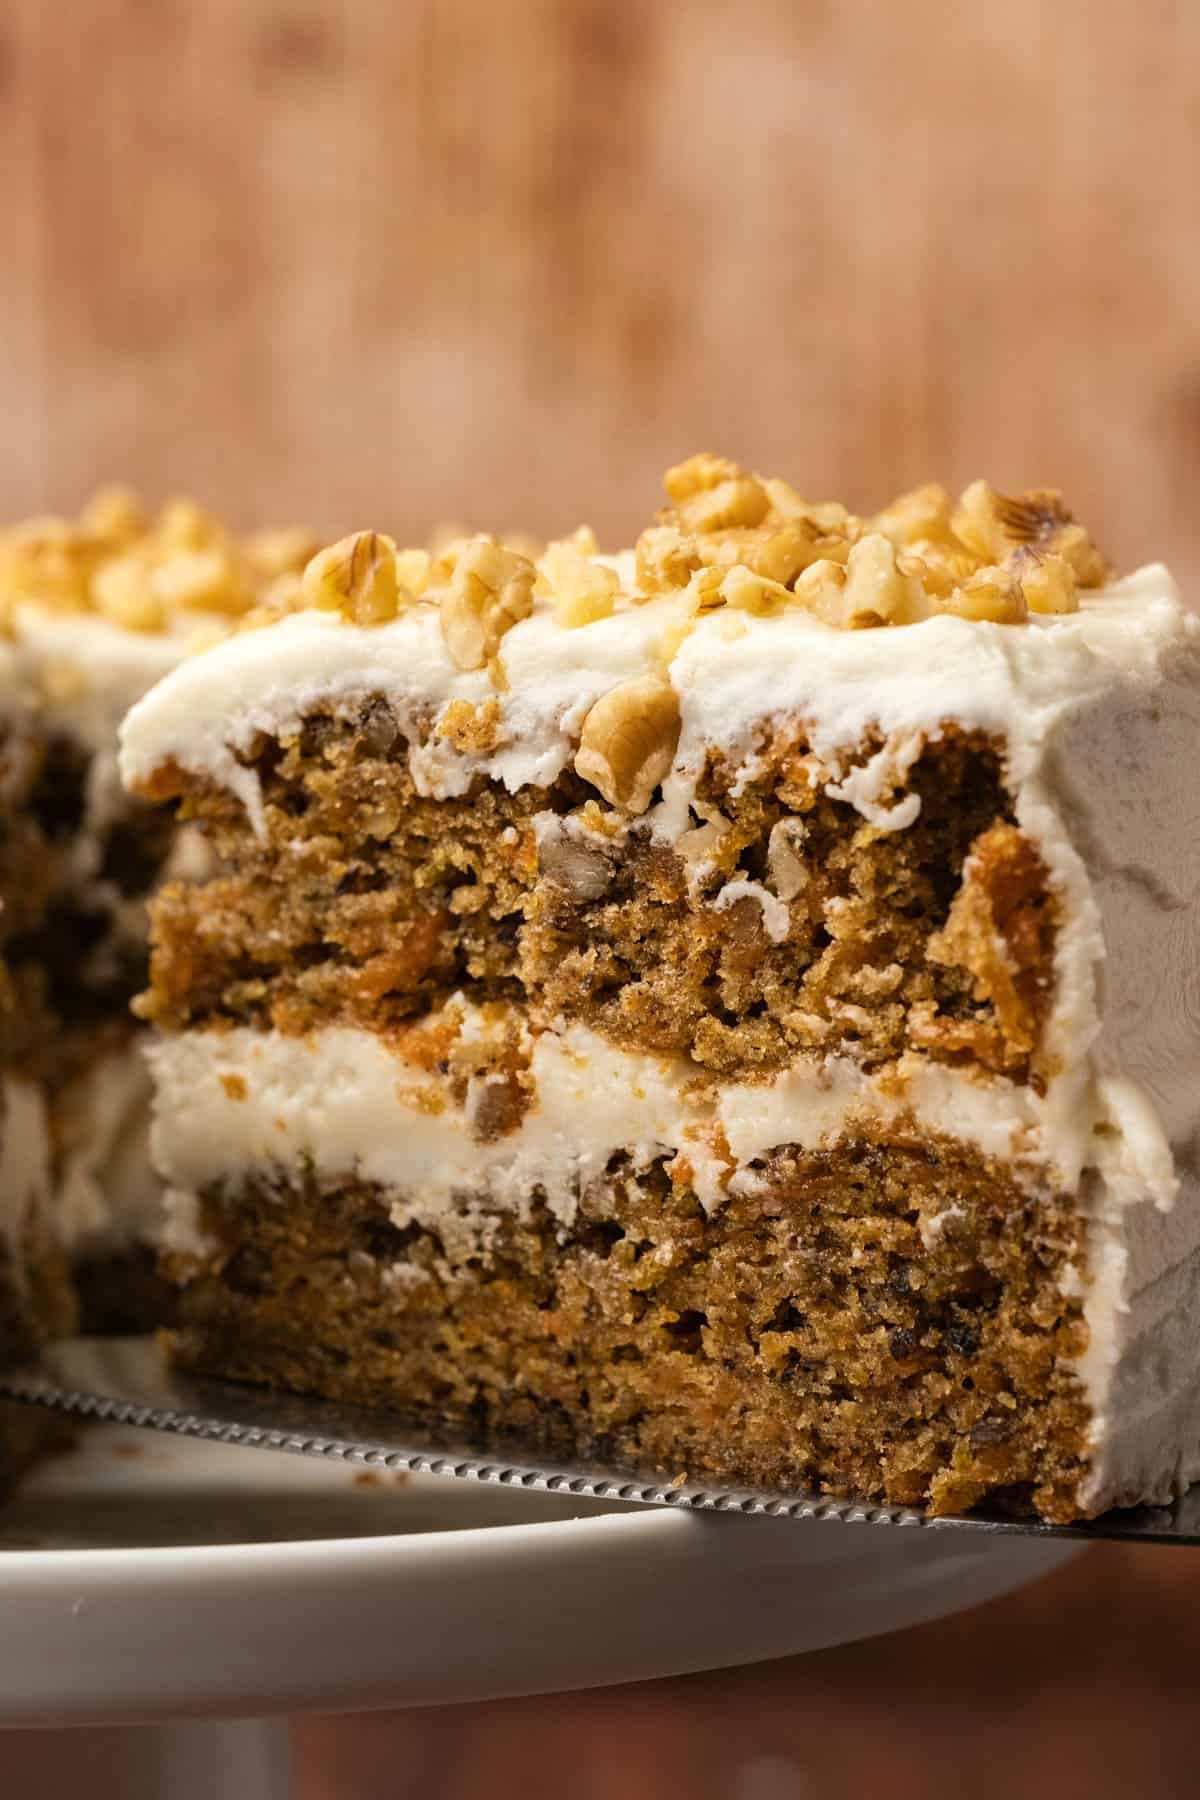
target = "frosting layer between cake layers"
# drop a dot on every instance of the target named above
(347, 1102)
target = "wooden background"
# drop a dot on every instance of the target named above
(500, 261)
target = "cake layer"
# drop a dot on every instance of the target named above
(90, 853)
(792, 926)
(882, 1318)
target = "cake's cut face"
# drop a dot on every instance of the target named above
(721, 1007)
(93, 612)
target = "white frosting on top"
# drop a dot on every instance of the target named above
(733, 671)
(88, 672)
(267, 680)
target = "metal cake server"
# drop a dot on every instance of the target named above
(126, 1381)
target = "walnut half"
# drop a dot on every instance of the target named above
(628, 741)
(491, 590)
(357, 578)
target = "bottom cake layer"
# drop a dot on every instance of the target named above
(887, 1319)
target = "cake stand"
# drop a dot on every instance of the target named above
(178, 1600)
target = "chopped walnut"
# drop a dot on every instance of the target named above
(200, 581)
(940, 568)
(356, 578)
(413, 570)
(628, 741)
(490, 591)
(569, 856)
(1048, 584)
(711, 494)
(992, 557)
(146, 574)
(877, 591)
(114, 513)
(995, 526)
(123, 591)
(286, 552)
(582, 589)
(922, 516)
(745, 591)
(820, 589)
(469, 727)
(990, 594)
(182, 525)
(665, 558)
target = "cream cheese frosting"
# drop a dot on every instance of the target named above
(733, 672)
(88, 672)
(346, 1102)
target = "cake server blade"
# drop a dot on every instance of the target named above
(126, 1381)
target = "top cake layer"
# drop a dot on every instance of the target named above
(730, 612)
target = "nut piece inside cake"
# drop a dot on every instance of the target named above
(689, 1007)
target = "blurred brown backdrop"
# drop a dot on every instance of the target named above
(502, 260)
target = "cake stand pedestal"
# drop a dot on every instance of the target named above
(197, 1594)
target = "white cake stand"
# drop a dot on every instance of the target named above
(148, 1584)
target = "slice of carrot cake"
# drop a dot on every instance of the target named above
(93, 612)
(728, 1007)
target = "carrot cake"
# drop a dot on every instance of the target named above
(725, 1008)
(93, 612)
